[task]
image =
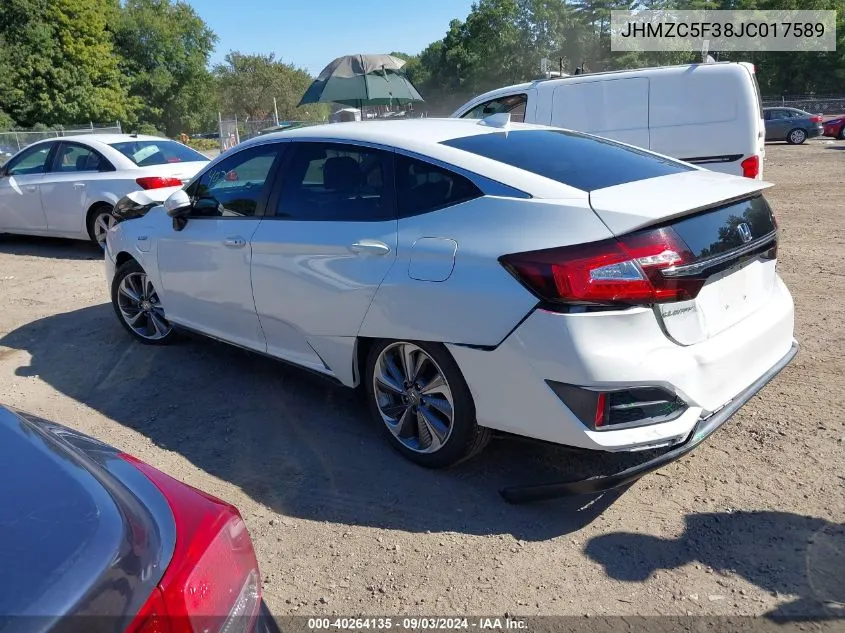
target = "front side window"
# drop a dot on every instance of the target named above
(76, 158)
(422, 187)
(32, 161)
(335, 181)
(514, 104)
(236, 186)
(158, 152)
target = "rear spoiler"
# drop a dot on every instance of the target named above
(631, 206)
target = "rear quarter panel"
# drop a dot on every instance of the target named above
(479, 303)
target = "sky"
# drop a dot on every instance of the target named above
(311, 33)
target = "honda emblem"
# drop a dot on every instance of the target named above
(744, 232)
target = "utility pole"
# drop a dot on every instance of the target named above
(276, 111)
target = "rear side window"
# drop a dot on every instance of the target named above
(422, 187)
(149, 153)
(577, 160)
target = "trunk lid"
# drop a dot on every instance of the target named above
(184, 171)
(633, 205)
(728, 228)
(75, 540)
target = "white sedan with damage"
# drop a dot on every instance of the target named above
(476, 276)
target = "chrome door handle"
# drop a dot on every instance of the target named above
(235, 242)
(79, 185)
(370, 246)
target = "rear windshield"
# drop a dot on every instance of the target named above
(584, 162)
(148, 153)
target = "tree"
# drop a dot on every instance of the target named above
(6, 122)
(58, 64)
(248, 83)
(501, 42)
(165, 48)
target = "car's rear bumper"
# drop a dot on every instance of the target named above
(705, 427)
(614, 350)
(815, 131)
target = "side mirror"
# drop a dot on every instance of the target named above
(178, 205)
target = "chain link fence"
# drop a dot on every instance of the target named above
(13, 141)
(233, 131)
(817, 104)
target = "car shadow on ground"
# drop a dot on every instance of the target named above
(294, 442)
(49, 247)
(783, 553)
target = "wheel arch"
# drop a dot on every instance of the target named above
(122, 258)
(94, 206)
(363, 345)
(90, 214)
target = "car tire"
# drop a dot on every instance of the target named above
(796, 136)
(99, 220)
(136, 304)
(841, 135)
(426, 410)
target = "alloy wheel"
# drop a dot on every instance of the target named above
(140, 307)
(413, 397)
(102, 223)
(797, 136)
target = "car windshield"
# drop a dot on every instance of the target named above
(578, 160)
(149, 153)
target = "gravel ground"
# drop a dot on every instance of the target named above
(752, 522)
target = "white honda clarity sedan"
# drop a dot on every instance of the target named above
(67, 187)
(476, 276)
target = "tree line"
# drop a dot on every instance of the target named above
(501, 42)
(142, 62)
(146, 62)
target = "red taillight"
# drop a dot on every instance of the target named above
(157, 182)
(625, 270)
(751, 166)
(816, 118)
(601, 402)
(212, 582)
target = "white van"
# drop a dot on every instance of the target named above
(709, 114)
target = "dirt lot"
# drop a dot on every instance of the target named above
(752, 522)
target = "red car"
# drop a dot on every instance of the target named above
(835, 128)
(96, 541)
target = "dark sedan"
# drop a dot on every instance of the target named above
(95, 540)
(791, 125)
